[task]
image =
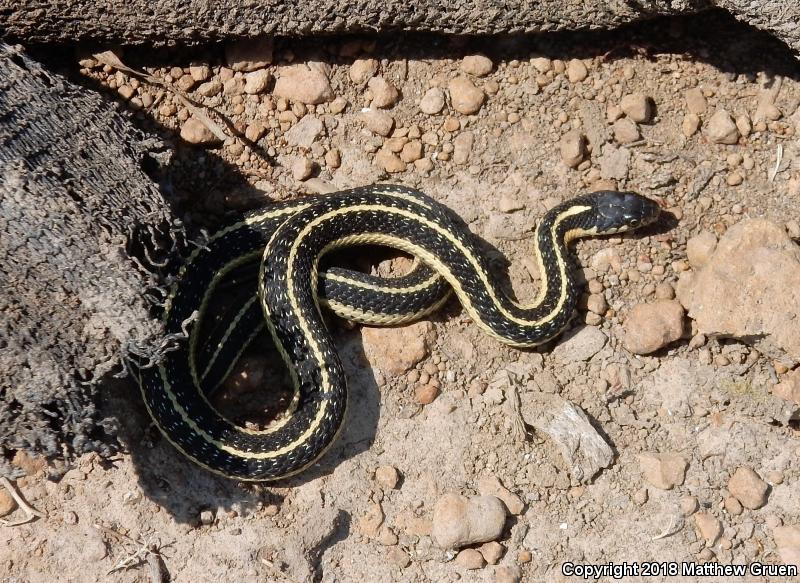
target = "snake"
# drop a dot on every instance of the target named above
(283, 245)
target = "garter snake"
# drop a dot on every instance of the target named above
(288, 240)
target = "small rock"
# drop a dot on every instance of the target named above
(789, 388)
(652, 326)
(302, 168)
(378, 122)
(384, 93)
(663, 470)
(363, 69)
(210, 88)
(690, 124)
(207, 517)
(689, 505)
(507, 574)
(200, 72)
(465, 97)
(696, 102)
(233, 86)
(787, 541)
(387, 476)
(256, 82)
(195, 131)
(426, 394)
(732, 506)
(249, 54)
(255, 131)
(462, 147)
(638, 107)
(744, 125)
(708, 526)
(748, 488)
(542, 64)
(700, 248)
(470, 559)
(398, 350)
(304, 85)
(665, 291)
(411, 152)
(459, 521)
(625, 131)
(305, 132)
(614, 162)
(580, 344)
(491, 486)
(721, 128)
(576, 71)
(338, 105)
(7, 503)
(573, 148)
(399, 557)
(389, 161)
(432, 102)
(370, 523)
(492, 552)
(476, 65)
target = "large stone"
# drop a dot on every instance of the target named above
(299, 83)
(749, 289)
(459, 521)
(651, 326)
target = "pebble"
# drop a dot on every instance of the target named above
(432, 102)
(390, 161)
(302, 168)
(651, 326)
(597, 303)
(256, 82)
(411, 152)
(370, 522)
(462, 147)
(663, 470)
(689, 505)
(470, 559)
(464, 96)
(195, 131)
(399, 557)
(614, 162)
(378, 122)
(338, 105)
(507, 574)
(690, 124)
(398, 350)
(721, 129)
(363, 69)
(491, 486)
(789, 388)
(734, 179)
(7, 503)
(249, 54)
(625, 131)
(638, 107)
(492, 552)
(477, 65)
(426, 394)
(580, 344)
(384, 93)
(304, 85)
(542, 64)
(200, 72)
(210, 88)
(459, 521)
(572, 147)
(708, 526)
(665, 291)
(305, 132)
(207, 517)
(576, 71)
(732, 506)
(255, 131)
(700, 248)
(744, 125)
(696, 102)
(387, 477)
(748, 488)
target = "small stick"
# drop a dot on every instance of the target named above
(30, 512)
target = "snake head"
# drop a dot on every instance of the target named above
(617, 212)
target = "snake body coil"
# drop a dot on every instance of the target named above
(289, 240)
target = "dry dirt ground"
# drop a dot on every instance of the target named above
(434, 407)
